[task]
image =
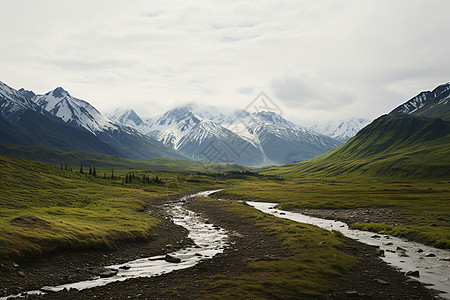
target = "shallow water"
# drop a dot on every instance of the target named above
(434, 271)
(208, 239)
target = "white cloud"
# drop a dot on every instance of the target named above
(320, 59)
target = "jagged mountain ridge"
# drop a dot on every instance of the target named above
(258, 138)
(342, 130)
(412, 141)
(56, 119)
(431, 104)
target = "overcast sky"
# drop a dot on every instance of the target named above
(316, 59)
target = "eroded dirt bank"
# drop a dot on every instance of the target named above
(371, 278)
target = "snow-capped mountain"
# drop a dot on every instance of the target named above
(342, 130)
(57, 119)
(13, 101)
(23, 122)
(74, 111)
(258, 138)
(434, 104)
(283, 142)
(130, 118)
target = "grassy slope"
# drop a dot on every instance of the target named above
(418, 204)
(314, 259)
(43, 208)
(104, 161)
(391, 146)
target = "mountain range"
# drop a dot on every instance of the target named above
(196, 132)
(62, 121)
(342, 130)
(251, 138)
(413, 140)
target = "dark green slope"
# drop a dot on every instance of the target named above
(392, 145)
(104, 161)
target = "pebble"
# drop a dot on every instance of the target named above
(413, 273)
(381, 281)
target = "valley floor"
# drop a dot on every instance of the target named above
(369, 278)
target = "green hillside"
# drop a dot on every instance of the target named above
(45, 209)
(105, 161)
(391, 146)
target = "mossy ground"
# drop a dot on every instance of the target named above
(421, 207)
(314, 258)
(44, 208)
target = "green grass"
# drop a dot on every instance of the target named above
(314, 258)
(44, 208)
(422, 205)
(393, 146)
(105, 161)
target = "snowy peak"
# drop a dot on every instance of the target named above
(342, 130)
(13, 101)
(207, 112)
(433, 104)
(59, 92)
(127, 117)
(73, 111)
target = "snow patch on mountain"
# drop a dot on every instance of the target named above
(75, 111)
(342, 130)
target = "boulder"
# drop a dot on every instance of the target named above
(108, 273)
(413, 273)
(379, 252)
(172, 259)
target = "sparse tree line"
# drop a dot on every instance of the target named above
(129, 177)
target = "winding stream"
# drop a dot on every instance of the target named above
(208, 239)
(433, 264)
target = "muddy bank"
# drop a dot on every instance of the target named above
(53, 269)
(371, 278)
(349, 216)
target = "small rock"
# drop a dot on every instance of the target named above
(445, 259)
(108, 273)
(413, 281)
(124, 267)
(376, 236)
(433, 225)
(237, 234)
(413, 273)
(282, 213)
(419, 250)
(47, 289)
(353, 294)
(379, 252)
(15, 265)
(322, 243)
(381, 281)
(389, 244)
(400, 249)
(430, 255)
(21, 273)
(172, 259)
(198, 254)
(156, 258)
